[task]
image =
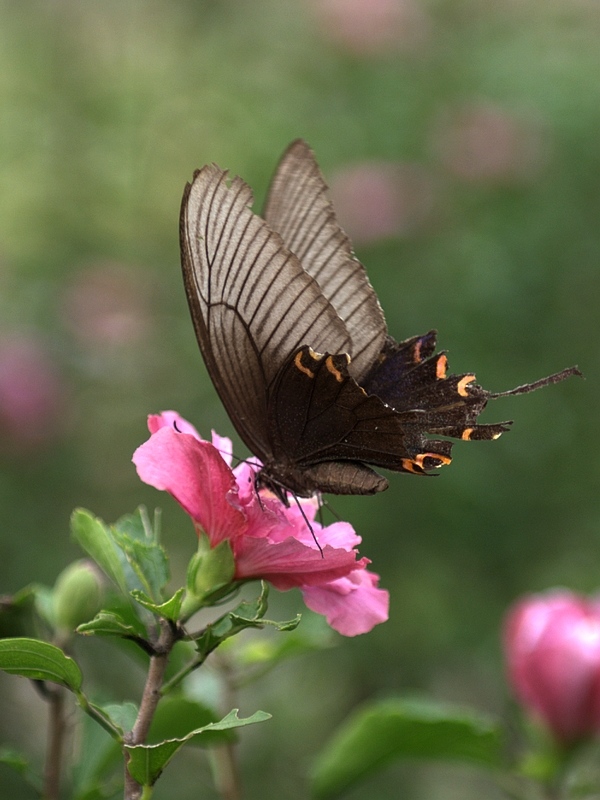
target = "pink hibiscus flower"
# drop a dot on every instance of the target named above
(268, 540)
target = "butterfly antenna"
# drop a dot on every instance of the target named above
(531, 387)
(308, 525)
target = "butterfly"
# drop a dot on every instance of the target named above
(296, 343)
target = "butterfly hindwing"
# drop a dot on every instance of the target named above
(319, 415)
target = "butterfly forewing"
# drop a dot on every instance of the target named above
(252, 303)
(299, 209)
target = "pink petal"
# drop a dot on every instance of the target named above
(171, 419)
(290, 563)
(224, 445)
(197, 477)
(552, 644)
(351, 605)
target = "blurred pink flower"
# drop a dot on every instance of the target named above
(32, 394)
(485, 143)
(552, 647)
(375, 200)
(108, 305)
(367, 27)
(268, 540)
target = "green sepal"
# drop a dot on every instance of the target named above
(41, 661)
(404, 728)
(147, 761)
(170, 609)
(209, 575)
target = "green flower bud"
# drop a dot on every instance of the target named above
(77, 595)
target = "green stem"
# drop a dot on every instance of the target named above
(183, 673)
(98, 716)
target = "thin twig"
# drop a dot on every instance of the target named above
(223, 757)
(57, 728)
(150, 698)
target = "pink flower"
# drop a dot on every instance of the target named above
(552, 645)
(268, 540)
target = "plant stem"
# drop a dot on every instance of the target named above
(150, 698)
(57, 727)
(225, 772)
(224, 764)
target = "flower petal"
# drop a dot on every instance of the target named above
(351, 605)
(197, 477)
(290, 563)
(171, 419)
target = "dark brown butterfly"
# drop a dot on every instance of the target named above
(296, 343)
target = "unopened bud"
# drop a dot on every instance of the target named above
(77, 595)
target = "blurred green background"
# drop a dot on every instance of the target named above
(460, 139)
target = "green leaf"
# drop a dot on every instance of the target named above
(39, 661)
(108, 623)
(248, 614)
(404, 728)
(147, 761)
(148, 561)
(99, 758)
(121, 715)
(18, 613)
(168, 610)
(97, 541)
(14, 759)
(176, 716)
(147, 558)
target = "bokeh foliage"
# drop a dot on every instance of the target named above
(107, 107)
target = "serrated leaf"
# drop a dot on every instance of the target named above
(108, 623)
(37, 660)
(168, 610)
(248, 614)
(404, 728)
(146, 762)
(135, 527)
(176, 716)
(149, 561)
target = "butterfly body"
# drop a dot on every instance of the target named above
(296, 343)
